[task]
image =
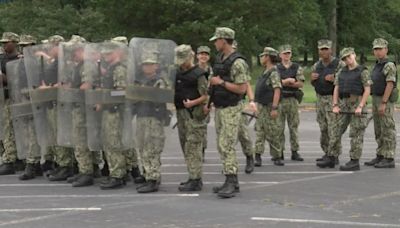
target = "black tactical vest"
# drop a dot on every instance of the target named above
(4, 59)
(350, 82)
(379, 79)
(321, 86)
(285, 73)
(264, 93)
(107, 81)
(222, 68)
(186, 85)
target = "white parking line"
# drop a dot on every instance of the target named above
(312, 221)
(261, 173)
(221, 182)
(34, 185)
(52, 209)
(98, 196)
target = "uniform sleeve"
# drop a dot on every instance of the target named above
(366, 78)
(300, 74)
(336, 82)
(202, 85)
(275, 80)
(389, 70)
(119, 76)
(340, 66)
(240, 71)
(314, 67)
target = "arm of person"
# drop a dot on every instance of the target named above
(335, 100)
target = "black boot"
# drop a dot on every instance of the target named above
(321, 158)
(278, 162)
(83, 180)
(48, 167)
(328, 162)
(62, 174)
(191, 186)
(73, 178)
(352, 165)
(249, 164)
(149, 186)
(374, 161)
(7, 169)
(112, 183)
(30, 172)
(386, 163)
(258, 160)
(19, 165)
(138, 178)
(296, 156)
(228, 190)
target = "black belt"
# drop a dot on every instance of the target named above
(344, 95)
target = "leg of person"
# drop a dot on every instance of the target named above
(293, 121)
(378, 129)
(247, 144)
(273, 132)
(9, 156)
(387, 138)
(32, 168)
(259, 144)
(322, 119)
(97, 160)
(64, 157)
(228, 121)
(284, 107)
(205, 142)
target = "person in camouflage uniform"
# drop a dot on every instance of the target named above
(352, 86)
(322, 78)
(112, 116)
(267, 96)
(292, 81)
(229, 83)
(190, 96)
(150, 118)
(203, 58)
(384, 95)
(33, 156)
(8, 147)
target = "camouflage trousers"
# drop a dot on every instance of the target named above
(132, 159)
(150, 139)
(270, 130)
(290, 114)
(83, 155)
(63, 156)
(329, 126)
(8, 149)
(244, 136)
(259, 144)
(358, 124)
(207, 121)
(191, 137)
(111, 136)
(385, 130)
(28, 141)
(227, 123)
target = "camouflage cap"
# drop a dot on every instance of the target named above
(9, 37)
(269, 51)
(27, 40)
(149, 58)
(346, 52)
(380, 43)
(324, 43)
(203, 49)
(75, 39)
(46, 41)
(235, 44)
(183, 53)
(120, 39)
(223, 33)
(55, 39)
(285, 48)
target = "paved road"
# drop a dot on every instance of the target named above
(296, 195)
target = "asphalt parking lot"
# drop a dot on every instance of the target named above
(296, 195)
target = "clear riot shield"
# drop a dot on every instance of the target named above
(105, 67)
(1, 110)
(21, 110)
(71, 119)
(150, 91)
(41, 64)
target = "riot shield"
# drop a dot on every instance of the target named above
(21, 110)
(150, 92)
(41, 64)
(71, 121)
(1, 110)
(105, 70)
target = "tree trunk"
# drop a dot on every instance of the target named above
(333, 26)
(305, 61)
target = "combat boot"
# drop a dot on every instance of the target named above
(228, 190)
(62, 174)
(191, 185)
(278, 162)
(249, 164)
(149, 186)
(30, 172)
(73, 178)
(112, 183)
(321, 158)
(47, 167)
(328, 162)
(258, 160)
(296, 156)
(385, 163)
(352, 165)
(7, 169)
(83, 180)
(137, 176)
(374, 161)
(19, 165)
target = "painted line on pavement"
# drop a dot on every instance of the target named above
(52, 209)
(98, 196)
